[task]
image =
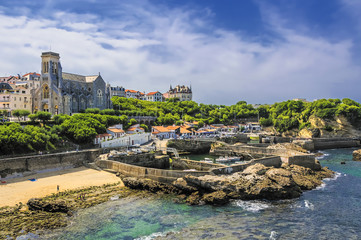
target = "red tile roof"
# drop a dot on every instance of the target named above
(132, 91)
(37, 74)
(151, 93)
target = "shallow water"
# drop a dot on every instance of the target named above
(332, 211)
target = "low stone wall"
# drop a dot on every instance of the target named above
(13, 167)
(274, 161)
(192, 164)
(256, 152)
(330, 143)
(190, 145)
(161, 175)
(238, 138)
(308, 161)
(144, 160)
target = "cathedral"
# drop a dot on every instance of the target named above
(68, 93)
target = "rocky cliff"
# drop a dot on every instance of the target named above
(339, 127)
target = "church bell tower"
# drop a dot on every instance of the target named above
(51, 83)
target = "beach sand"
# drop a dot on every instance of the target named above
(22, 189)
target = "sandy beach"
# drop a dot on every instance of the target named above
(22, 189)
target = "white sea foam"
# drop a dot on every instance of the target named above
(323, 185)
(323, 155)
(273, 236)
(116, 197)
(337, 175)
(309, 205)
(252, 206)
(152, 236)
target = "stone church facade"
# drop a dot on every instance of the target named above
(68, 93)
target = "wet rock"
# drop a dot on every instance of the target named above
(36, 204)
(193, 199)
(216, 198)
(182, 184)
(150, 185)
(356, 155)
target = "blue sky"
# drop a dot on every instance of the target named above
(254, 50)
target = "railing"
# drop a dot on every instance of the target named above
(167, 149)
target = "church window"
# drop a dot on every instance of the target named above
(100, 96)
(45, 91)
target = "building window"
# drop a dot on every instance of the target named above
(100, 96)
(45, 91)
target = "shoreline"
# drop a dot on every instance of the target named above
(22, 189)
(56, 210)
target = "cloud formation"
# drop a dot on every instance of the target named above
(147, 47)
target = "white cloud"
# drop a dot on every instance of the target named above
(148, 48)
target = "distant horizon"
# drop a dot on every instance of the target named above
(255, 50)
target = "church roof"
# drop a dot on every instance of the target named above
(79, 78)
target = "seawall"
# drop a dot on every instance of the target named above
(13, 167)
(314, 144)
(144, 160)
(161, 175)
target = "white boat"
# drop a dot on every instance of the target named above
(207, 160)
(227, 159)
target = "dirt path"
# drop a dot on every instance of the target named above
(22, 189)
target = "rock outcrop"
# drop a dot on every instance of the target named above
(255, 182)
(356, 155)
(36, 204)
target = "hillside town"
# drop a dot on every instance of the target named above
(57, 92)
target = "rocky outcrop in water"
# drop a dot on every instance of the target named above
(37, 204)
(356, 155)
(255, 182)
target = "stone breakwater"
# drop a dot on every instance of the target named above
(255, 182)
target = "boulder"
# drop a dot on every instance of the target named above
(216, 198)
(194, 199)
(36, 204)
(149, 185)
(356, 155)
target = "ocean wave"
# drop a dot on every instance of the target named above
(274, 235)
(323, 185)
(252, 206)
(337, 175)
(323, 155)
(309, 205)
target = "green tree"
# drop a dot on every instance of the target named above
(43, 116)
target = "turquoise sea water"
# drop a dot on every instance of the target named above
(332, 211)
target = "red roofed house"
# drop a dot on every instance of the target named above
(132, 94)
(135, 129)
(165, 132)
(155, 97)
(102, 137)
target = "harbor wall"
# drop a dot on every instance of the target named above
(330, 143)
(256, 152)
(273, 161)
(190, 145)
(161, 175)
(144, 160)
(192, 164)
(18, 166)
